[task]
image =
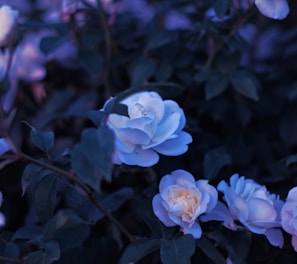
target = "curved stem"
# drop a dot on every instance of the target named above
(91, 194)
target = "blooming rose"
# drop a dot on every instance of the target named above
(152, 126)
(252, 205)
(8, 22)
(276, 9)
(289, 216)
(182, 200)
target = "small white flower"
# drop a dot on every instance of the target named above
(153, 126)
(182, 200)
(8, 22)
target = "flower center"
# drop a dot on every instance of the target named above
(182, 202)
(138, 110)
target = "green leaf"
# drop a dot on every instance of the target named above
(92, 158)
(9, 250)
(27, 232)
(46, 196)
(143, 69)
(164, 71)
(97, 116)
(245, 84)
(52, 249)
(210, 250)
(50, 44)
(37, 257)
(215, 86)
(214, 161)
(160, 39)
(42, 140)
(290, 160)
(32, 175)
(138, 249)
(91, 61)
(177, 251)
(221, 7)
(65, 218)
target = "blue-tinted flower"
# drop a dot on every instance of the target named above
(153, 126)
(276, 9)
(289, 216)
(182, 200)
(250, 204)
(8, 22)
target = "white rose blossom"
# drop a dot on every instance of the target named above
(8, 22)
(182, 200)
(289, 216)
(252, 205)
(153, 126)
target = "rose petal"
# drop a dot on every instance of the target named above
(134, 136)
(144, 158)
(176, 146)
(275, 237)
(180, 176)
(260, 210)
(160, 212)
(277, 9)
(213, 194)
(194, 230)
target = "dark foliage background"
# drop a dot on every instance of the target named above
(233, 74)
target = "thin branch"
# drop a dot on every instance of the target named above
(107, 37)
(69, 176)
(11, 260)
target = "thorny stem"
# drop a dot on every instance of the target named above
(107, 36)
(69, 176)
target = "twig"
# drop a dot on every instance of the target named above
(107, 37)
(69, 176)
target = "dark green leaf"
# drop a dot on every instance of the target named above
(50, 44)
(160, 39)
(244, 83)
(97, 116)
(92, 61)
(52, 250)
(164, 71)
(27, 232)
(63, 219)
(32, 174)
(143, 69)
(92, 158)
(221, 7)
(177, 251)
(214, 161)
(43, 140)
(210, 250)
(45, 197)
(215, 86)
(9, 250)
(37, 257)
(138, 249)
(290, 160)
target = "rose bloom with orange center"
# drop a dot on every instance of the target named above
(182, 200)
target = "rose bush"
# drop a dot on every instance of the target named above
(182, 200)
(153, 126)
(289, 216)
(8, 22)
(250, 204)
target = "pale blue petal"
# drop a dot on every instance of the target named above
(160, 212)
(276, 9)
(275, 237)
(166, 181)
(194, 230)
(4, 146)
(134, 136)
(140, 157)
(260, 210)
(176, 146)
(181, 175)
(213, 194)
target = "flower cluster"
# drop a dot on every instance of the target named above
(153, 126)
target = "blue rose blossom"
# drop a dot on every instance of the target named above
(250, 204)
(289, 216)
(153, 126)
(276, 9)
(181, 200)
